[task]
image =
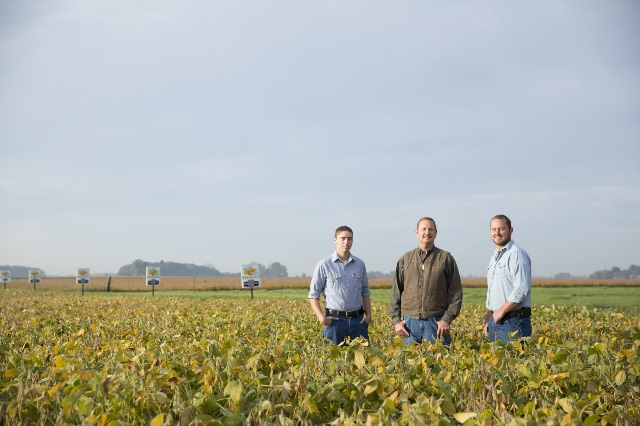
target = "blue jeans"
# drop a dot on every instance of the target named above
(508, 329)
(420, 329)
(343, 327)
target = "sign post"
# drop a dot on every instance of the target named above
(153, 278)
(250, 277)
(34, 277)
(6, 277)
(83, 277)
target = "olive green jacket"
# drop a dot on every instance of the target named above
(426, 285)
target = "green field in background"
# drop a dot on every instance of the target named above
(626, 298)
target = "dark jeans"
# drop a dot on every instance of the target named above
(343, 327)
(508, 329)
(423, 329)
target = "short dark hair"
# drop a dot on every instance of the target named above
(339, 229)
(426, 218)
(502, 217)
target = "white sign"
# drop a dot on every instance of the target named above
(83, 276)
(34, 276)
(153, 275)
(250, 276)
(6, 276)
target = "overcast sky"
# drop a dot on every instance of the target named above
(226, 132)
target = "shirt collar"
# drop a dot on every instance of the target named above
(335, 258)
(498, 254)
(424, 254)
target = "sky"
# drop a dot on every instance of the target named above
(227, 132)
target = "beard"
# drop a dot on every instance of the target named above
(502, 241)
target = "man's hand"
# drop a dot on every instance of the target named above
(366, 318)
(400, 330)
(326, 320)
(486, 324)
(443, 329)
(497, 315)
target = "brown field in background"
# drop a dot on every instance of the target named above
(119, 283)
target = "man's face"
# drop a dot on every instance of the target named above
(343, 241)
(426, 233)
(500, 232)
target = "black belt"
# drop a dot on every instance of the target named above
(346, 314)
(519, 313)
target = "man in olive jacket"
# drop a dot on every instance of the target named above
(426, 290)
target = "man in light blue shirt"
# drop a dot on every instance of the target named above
(342, 278)
(508, 304)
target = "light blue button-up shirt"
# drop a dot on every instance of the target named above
(509, 278)
(342, 283)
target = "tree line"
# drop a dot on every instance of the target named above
(174, 269)
(632, 273)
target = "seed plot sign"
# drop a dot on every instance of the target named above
(153, 275)
(5, 276)
(34, 276)
(250, 277)
(83, 276)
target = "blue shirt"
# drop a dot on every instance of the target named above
(509, 278)
(342, 283)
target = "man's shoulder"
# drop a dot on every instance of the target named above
(443, 253)
(357, 259)
(410, 252)
(515, 249)
(326, 260)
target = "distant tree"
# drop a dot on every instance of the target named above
(379, 274)
(276, 269)
(562, 276)
(616, 273)
(634, 272)
(172, 269)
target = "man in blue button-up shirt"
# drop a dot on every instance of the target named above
(508, 314)
(342, 278)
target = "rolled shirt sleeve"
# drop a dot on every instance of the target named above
(520, 271)
(318, 282)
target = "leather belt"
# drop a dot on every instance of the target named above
(346, 314)
(519, 313)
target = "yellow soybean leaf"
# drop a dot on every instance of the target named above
(157, 420)
(251, 362)
(463, 417)
(11, 373)
(371, 386)
(59, 362)
(234, 391)
(620, 377)
(567, 404)
(358, 359)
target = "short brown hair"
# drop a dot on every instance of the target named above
(426, 218)
(502, 217)
(342, 228)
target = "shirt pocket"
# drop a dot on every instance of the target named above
(355, 280)
(333, 281)
(501, 269)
